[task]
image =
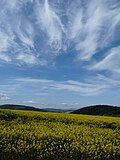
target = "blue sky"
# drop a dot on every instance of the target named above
(60, 53)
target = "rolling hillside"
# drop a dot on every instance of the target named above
(89, 110)
(99, 110)
(23, 107)
(20, 107)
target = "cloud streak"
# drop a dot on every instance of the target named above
(92, 87)
(44, 29)
(38, 90)
(110, 61)
(50, 22)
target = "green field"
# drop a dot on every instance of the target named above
(28, 135)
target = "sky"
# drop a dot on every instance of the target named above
(60, 53)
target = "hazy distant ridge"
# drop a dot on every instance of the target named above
(20, 107)
(89, 110)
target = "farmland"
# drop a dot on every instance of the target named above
(29, 135)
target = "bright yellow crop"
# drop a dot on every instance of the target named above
(27, 135)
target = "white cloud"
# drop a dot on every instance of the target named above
(110, 62)
(99, 22)
(16, 32)
(27, 58)
(25, 32)
(4, 97)
(51, 24)
(43, 94)
(5, 58)
(29, 101)
(44, 29)
(35, 90)
(76, 25)
(89, 88)
(5, 43)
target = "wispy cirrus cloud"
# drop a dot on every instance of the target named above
(41, 30)
(27, 58)
(110, 62)
(92, 86)
(50, 23)
(35, 91)
(16, 32)
(97, 27)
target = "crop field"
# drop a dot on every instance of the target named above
(28, 135)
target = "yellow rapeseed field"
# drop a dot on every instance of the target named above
(27, 135)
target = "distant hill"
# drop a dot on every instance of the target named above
(58, 110)
(23, 107)
(89, 110)
(99, 110)
(20, 107)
